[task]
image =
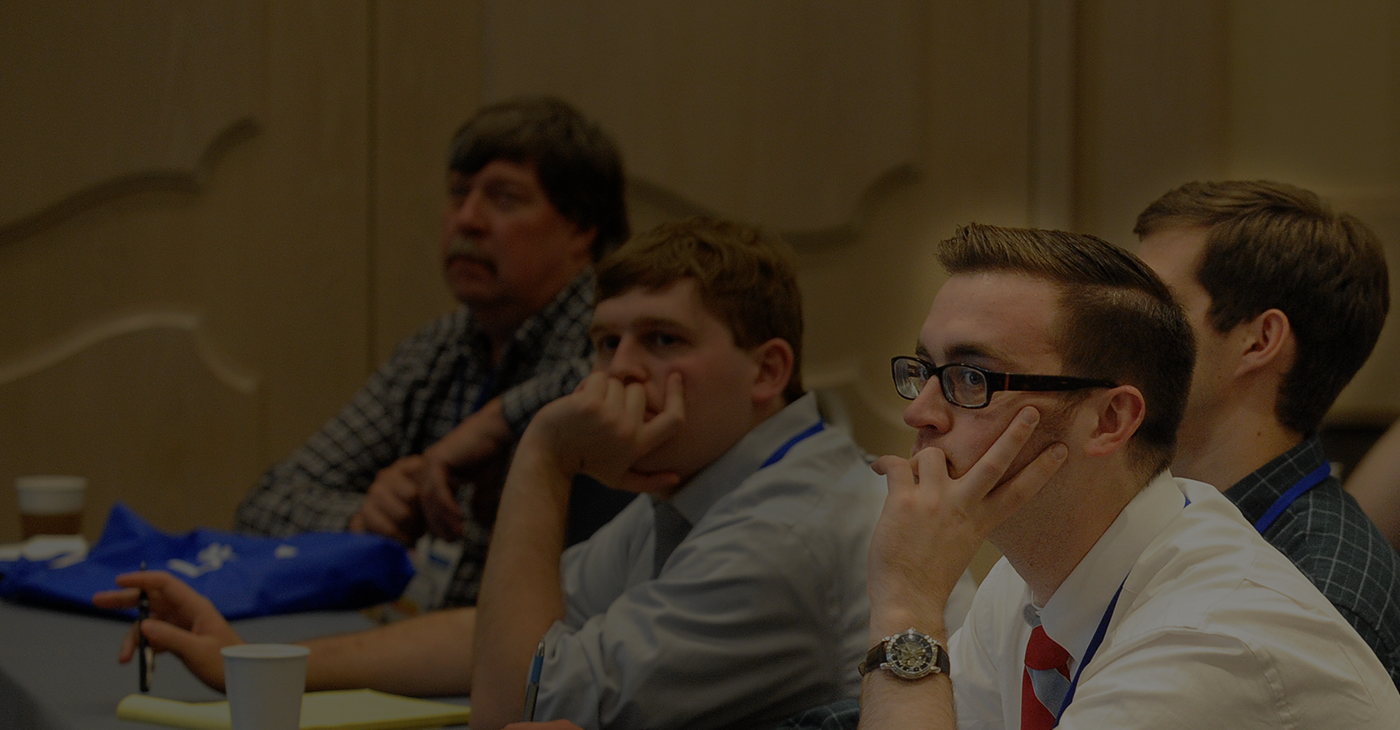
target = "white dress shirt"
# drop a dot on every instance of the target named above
(1214, 629)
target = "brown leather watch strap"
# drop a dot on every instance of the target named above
(877, 656)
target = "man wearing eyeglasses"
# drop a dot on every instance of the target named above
(1050, 377)
(1287, 298)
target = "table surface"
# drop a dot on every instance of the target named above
(59, 670)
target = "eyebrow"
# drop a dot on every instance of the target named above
(645, 322)
(962, 352)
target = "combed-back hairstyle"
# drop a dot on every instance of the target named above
(578, 165)
(746, 278)
(1117, 320)
(1275, 246)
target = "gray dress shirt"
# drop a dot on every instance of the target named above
(759, 612)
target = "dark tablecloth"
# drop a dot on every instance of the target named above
(59, 670)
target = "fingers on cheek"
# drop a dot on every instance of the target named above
(929, 463)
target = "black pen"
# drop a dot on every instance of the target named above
(143, 612)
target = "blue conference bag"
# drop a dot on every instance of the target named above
(244, 576)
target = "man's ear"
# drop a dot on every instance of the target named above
(774, 360)
(582, 240)
(1119, 412)
(1264, 341)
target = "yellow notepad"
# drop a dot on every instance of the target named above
(356, 709)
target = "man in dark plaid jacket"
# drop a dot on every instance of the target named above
(1287, 298)
(534, 197)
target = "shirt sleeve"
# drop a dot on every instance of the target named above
(565, 356)
(554, 380)
(738, 645)
(323, 483)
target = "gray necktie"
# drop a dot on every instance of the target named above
(671, 528)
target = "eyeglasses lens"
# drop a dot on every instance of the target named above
(909, 378)
(964, 386)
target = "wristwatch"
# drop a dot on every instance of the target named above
(909, 655)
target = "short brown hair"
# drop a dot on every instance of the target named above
(577, 163)
(1276, 246)
(745, 276)
(1117, 320)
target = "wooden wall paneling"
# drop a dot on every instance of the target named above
(1053, 97)
(1315, 101)
(1152, 106)
(783, 113)
(297, 303)
(266, 254)
(1373, 396)
(1315, 93)
(867, 303)
(97, 112)
(150, 415)
(427, 81)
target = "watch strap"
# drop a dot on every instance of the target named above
(878, 655)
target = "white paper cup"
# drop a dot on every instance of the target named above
(265, 683)
(50, 504)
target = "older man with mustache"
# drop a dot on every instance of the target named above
(535, 196)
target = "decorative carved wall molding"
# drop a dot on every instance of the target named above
(108, 113)
(235, 377)
(788, 114)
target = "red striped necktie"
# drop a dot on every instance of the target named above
(1044, 681)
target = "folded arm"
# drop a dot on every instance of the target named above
(600, 431)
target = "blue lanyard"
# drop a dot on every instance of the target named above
(1092, 650)
(1094, 643)
(782, 450)
(1297, 490)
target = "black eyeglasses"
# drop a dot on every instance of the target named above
(972, 387)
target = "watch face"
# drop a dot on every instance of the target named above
(911, 655)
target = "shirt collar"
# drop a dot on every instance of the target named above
(726, 473)
(1072, 615)
(528, 341)
(1257, 492)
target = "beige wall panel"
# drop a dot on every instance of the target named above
(427, 82)
(1373, 396)
(865, 303)
(302, 223)
(1315, 101)
(1152, 108)
(784, 113)
(1315, 93)
(177, 78)
(175, 441)
(268, 250)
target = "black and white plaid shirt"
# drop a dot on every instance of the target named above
(435, 379)
(1333, 543)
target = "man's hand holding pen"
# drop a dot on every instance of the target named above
(181, 621)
